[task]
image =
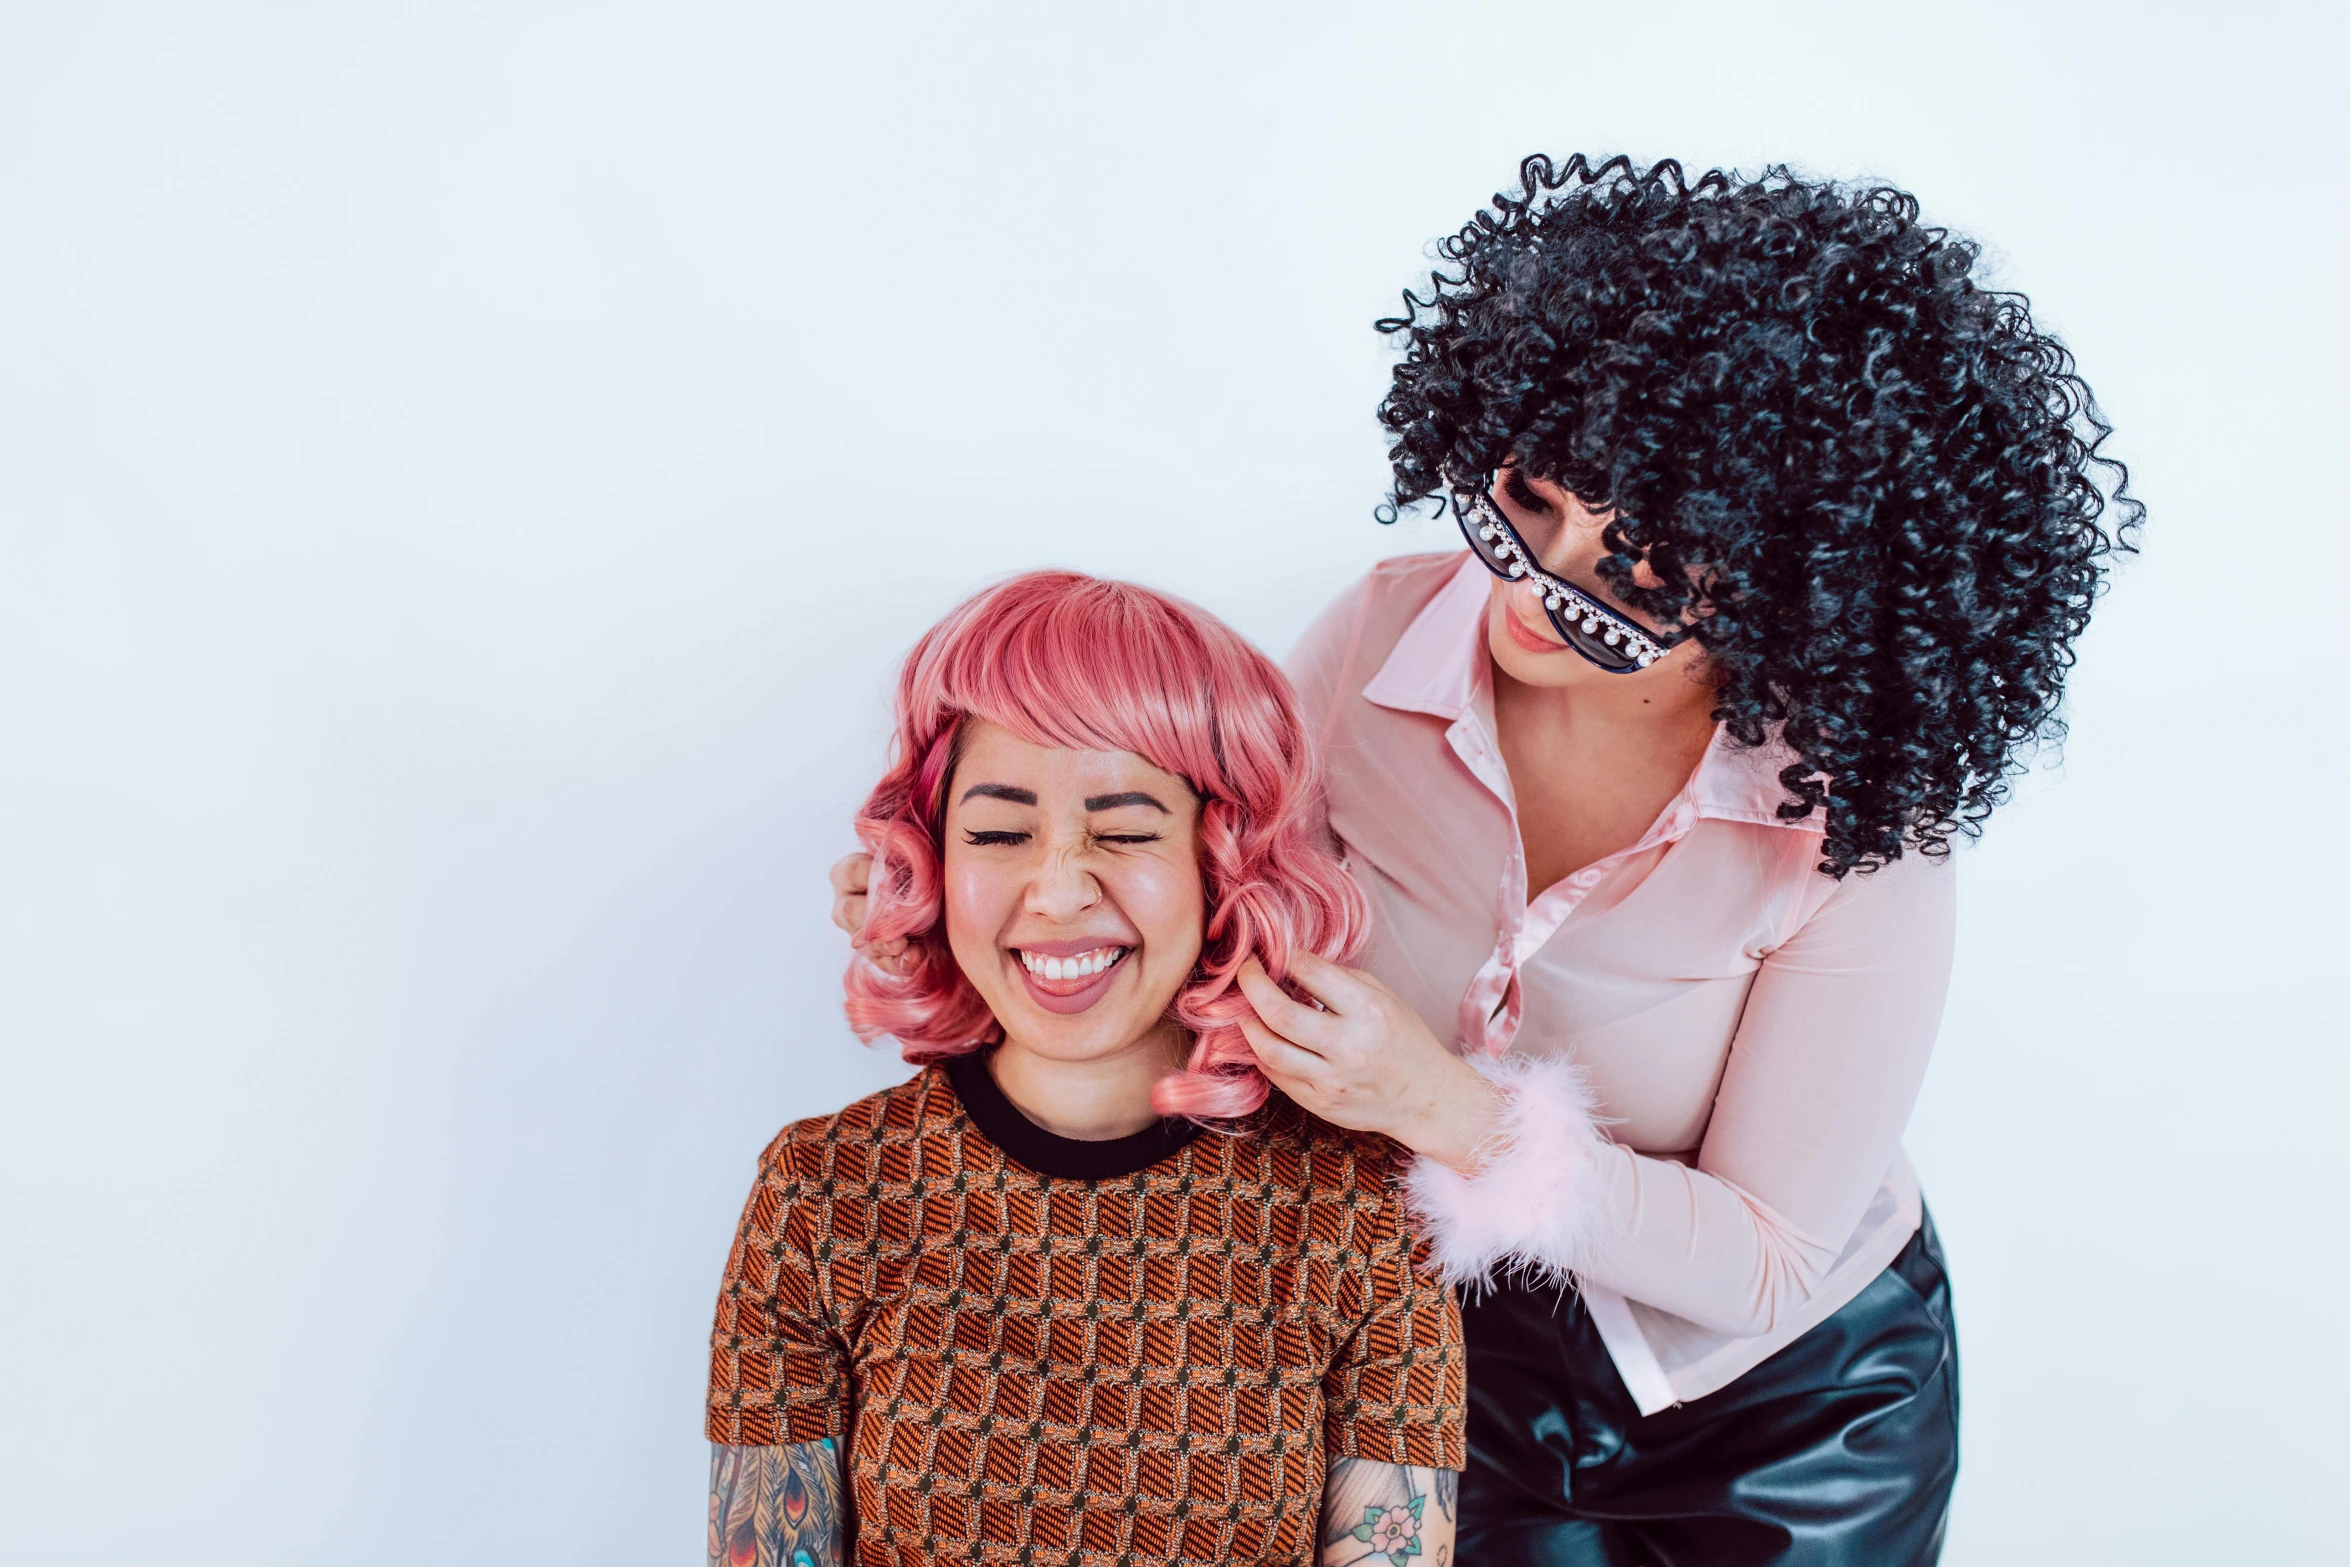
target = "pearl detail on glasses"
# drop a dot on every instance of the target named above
(1510, 558)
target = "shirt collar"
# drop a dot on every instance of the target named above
(1438, 663)
(1439, 667)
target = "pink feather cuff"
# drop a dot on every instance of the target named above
(1533, 1205)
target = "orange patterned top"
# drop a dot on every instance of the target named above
(1092, 1354)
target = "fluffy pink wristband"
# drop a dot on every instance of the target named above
(1532, 1207)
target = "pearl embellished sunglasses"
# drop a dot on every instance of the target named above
(1600, 634)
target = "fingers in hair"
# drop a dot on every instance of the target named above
(1293, 1020)
(1294, 1071)
(1342, 990)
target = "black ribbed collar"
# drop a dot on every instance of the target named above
(1049, 1153)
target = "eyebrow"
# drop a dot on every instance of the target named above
(1111, 802)
(1093, 802)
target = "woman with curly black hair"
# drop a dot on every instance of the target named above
(1781, 532)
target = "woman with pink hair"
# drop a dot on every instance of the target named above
(1031, 1305)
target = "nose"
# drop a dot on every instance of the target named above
(1063, 888)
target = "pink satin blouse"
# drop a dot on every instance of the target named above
(1755, 1032)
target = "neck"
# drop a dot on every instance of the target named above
(1091, 1101)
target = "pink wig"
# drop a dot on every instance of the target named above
(1071, 661)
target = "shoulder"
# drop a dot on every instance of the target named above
(1348, 1188)
(1908, 906)
(816, 1147)
(828, 1179)
(1916, 885)
(1362, 625)
(1321, 1164)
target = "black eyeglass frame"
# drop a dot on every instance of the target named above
(1602, 636)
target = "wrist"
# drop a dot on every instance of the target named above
(1532, 1192)
(1456, 1118)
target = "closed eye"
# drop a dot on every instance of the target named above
(1126, 837)
(994, 839)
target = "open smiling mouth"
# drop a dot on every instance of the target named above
(1073, 982)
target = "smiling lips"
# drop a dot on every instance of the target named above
(1067, 982)
(1524, 635)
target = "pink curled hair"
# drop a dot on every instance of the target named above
(1073, 661)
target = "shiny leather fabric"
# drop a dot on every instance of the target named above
(1840, 1449)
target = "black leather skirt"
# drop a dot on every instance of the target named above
(1841, 1448)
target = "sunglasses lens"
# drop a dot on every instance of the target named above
(1597, 639)
(1589, 636)
(1491, 541)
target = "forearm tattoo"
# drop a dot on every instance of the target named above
(1388, 1513)
(776, 1506)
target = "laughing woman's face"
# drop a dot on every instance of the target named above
(1073, 896)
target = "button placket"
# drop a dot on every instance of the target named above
(1480, 757)
(1529, 926)
(1495, 999)
(1487, 1016)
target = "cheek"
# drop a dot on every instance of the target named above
(978, 902)
(1167, 906)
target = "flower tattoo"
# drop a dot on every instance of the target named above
(1374, 1513)
(1392, 1532)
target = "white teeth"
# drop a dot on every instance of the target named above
(1078, 967)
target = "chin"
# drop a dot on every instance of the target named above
(1079, 1039)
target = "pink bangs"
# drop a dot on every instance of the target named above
(1066, 660)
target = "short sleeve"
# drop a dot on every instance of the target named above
(1397, 1391)
(779, 1370)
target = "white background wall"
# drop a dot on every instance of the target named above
(468, 471)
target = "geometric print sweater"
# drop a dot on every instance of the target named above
(1035, 1350)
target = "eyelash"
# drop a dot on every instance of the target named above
(998, 839)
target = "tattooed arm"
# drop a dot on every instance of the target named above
(1385, 1515)
(776, 1506)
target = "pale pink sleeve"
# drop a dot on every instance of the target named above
(1822, 1075)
